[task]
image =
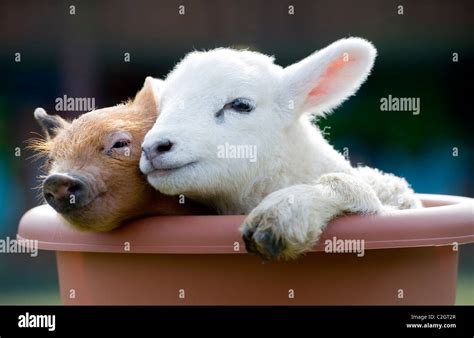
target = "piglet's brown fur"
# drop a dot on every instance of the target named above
(87, 149)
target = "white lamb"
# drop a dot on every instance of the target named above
(298, 182)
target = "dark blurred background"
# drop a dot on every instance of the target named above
(82, 55)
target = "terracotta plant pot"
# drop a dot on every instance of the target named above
(410, 258)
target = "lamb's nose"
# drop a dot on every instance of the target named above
(159, 147)
(63, 192)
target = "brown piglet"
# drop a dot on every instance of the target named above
(92, 175)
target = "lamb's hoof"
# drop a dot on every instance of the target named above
(262, 243)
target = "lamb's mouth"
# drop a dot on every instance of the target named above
(167, 170)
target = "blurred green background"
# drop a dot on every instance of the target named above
(82, 55)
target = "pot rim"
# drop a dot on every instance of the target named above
(445, 220)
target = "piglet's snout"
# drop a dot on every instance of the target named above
(64, 192)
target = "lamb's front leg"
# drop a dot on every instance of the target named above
(289, 221)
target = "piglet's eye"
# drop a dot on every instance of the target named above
(121, 144)
(241, 105)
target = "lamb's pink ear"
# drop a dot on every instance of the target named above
(146, 98)
(326, 78)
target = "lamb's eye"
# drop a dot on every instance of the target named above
(241, 105)
(121, 144)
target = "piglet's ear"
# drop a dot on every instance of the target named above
(51, 124)
(323, 80)
(146, 98)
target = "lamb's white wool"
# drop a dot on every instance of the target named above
(298, 181)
